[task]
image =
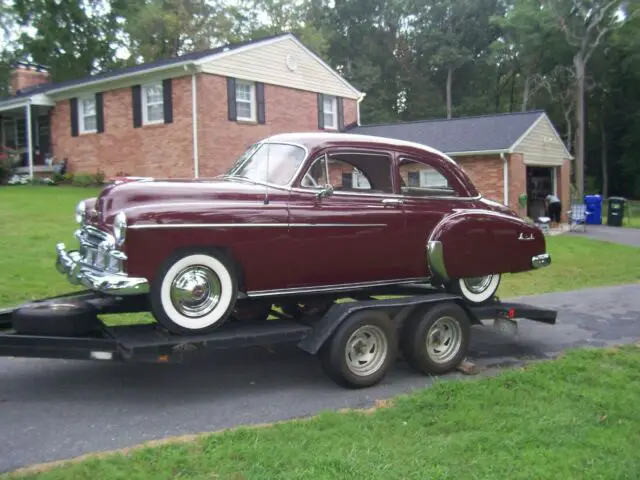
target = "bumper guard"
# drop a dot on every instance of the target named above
(540, 261)
(70, 264)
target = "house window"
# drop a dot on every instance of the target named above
(87, 114)
(245, 101)
(330, 109)
(152, 103)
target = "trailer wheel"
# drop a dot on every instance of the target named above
(435, 339)
(361, 351)
(194, 292)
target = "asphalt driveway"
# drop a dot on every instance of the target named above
(622, 235)
(56, 409)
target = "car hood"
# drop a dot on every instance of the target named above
(162, 193)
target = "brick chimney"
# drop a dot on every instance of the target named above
(26, 75)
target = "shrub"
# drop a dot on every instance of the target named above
(9, 160)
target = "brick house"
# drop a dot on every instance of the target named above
(189, 116)
(504, 154)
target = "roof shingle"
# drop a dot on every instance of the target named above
(486, 133)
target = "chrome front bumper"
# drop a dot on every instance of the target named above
(540, 261)
(98, 267)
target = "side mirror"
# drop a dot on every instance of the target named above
(326, 191)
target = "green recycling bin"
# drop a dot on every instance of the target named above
(615, 211)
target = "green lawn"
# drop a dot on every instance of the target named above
(33, 219)
(572, 418)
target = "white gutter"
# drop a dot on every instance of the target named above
(194, 121)
(358, 108)
(9, 105)
(478, 152)
(505, 179)
(137, 73)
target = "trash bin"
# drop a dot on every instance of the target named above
(594, 207)
(615, 211)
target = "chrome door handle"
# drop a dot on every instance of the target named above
(392, 201)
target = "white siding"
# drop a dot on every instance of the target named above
(542, 146)
(268, 64)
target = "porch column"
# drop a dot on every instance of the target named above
(29, 138)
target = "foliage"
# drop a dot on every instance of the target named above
(415, 59)
(9, 159)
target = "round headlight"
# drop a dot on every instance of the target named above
(81, 212)
(120, 228)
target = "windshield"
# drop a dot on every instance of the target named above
(283, 161)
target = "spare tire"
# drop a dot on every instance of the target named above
(56, 318)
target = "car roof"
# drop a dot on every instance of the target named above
(314, 140)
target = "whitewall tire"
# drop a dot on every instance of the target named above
(194, 292)
(477, 290)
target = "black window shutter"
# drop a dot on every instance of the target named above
(340, 103)
(320, 111)
(347, 180)
(231, 99)
(73, 107)
(168, 100)
(260, 102)
(99, 113)
(136, 103)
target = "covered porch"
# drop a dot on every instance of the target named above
(25, 129)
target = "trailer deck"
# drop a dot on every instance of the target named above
(151, 343)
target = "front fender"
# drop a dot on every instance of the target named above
(470, 243)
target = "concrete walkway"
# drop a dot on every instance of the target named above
(622, 235)
(57, 409)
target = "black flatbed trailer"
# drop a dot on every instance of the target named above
(400, 320)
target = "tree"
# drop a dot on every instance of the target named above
(585, 24)
(155, 29)
(73, 38)
(453, 33)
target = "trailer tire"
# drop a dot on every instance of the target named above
(343, 356)
(435, 339)
(56, 319)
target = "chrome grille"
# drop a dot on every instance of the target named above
(97, 250)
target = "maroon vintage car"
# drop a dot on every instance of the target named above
(298, 220)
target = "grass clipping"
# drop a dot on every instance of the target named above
(573, 417)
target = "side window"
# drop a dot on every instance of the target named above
(345, 176)
(421, 180)
(357, 172)
(316, 175)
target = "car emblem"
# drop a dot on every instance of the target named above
(525, 237)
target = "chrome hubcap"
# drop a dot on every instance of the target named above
(195, 291)
(478, 284)
(444, 340)
(366, 350)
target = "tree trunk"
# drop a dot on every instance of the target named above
(603, 156)
(579, 64)
(525, 94)
(449, 82)
(569, 137)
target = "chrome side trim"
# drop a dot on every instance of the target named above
(435, 260)
(340, 287)
(540, 261)
(255, 225)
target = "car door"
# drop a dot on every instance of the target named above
(428, 193)
(347, 233)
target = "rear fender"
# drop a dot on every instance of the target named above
(470, 243)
